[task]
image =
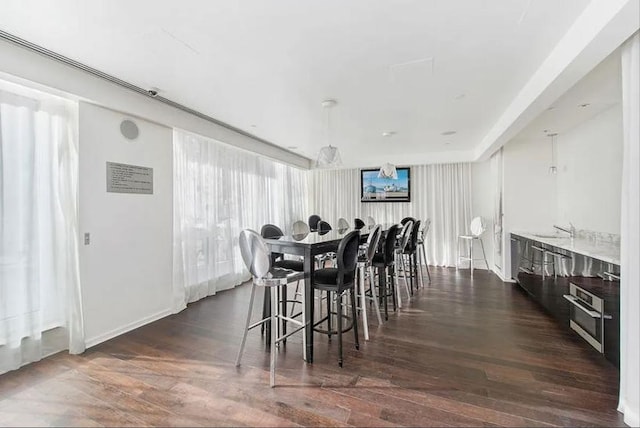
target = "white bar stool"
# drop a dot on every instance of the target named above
(477, 228)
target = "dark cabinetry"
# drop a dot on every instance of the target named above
(545, 272)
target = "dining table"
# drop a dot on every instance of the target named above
(309, 245)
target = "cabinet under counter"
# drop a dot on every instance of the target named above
(547, 272)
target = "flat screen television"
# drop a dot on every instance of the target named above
(374, 189)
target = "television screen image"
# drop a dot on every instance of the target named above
(374, 189)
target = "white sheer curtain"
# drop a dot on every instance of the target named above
(498, 238)
(630, 236)
(439, 192)
(40, 301)
(218, 191)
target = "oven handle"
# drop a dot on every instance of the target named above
(574, 300)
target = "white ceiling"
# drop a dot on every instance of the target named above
(417, 67)
(598, 91)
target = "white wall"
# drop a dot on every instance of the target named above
(529, 189)
(126, 271)
(586, 189)
(590, 173)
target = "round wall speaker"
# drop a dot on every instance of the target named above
(129, 129)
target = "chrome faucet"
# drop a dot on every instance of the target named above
(571, 231)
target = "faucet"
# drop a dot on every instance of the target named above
(571, 231)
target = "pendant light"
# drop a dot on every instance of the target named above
(329, 156)
(388, 170)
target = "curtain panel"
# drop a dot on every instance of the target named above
(218, 191)
(40, 298)
(630, 236)
(441, 193)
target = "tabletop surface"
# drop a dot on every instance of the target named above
(312, 238)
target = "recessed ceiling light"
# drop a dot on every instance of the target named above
(292, 147)
(253, 125)
(546, 131)
(388, 133)
(459, 96)
(448, 132)
(550, 108)
(584, 105)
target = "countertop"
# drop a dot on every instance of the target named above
(606, 251)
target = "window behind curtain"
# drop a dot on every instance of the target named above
(38, 226)
(218, 191)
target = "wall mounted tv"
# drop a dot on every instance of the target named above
(374, 189)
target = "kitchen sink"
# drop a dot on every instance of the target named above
(548, 235)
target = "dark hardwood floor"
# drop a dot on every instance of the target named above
(461, 353)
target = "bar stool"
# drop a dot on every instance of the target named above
(370, 221)
(257, 258)
(338, 281)
(405, 234)
(300, 228)
(358, 223)
(384, 262)
(477, 228)
(365, 264)
(343, 224)
(313, 221)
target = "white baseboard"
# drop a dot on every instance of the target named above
(503, 279)
(127, 328)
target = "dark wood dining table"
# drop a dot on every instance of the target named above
(308, 246)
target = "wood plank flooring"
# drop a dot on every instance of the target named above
(463, 352)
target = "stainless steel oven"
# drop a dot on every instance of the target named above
(587, 316)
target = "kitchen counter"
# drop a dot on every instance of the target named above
(607, 251)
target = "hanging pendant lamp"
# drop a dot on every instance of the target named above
(388, 171)
(328, 156)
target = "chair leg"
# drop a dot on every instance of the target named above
(248, 323)
(339, 328)
(471, 255)
(404, 276)
(329, 315)
(426, 263)
(363, 302)
(266, 310)
(382, 283)
(293, 304)
(485, 255)
(393, 285)
(274, 326)
(411, 282)
(374, 297)
(282, 294)
(303, 318)
(418, 258)
(398, 261)
(355, 318)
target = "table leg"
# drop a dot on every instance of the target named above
(308, 306)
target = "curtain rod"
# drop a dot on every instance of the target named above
(102, 75)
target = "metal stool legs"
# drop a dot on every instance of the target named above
(470, 257)
(423, 257)
(362, 297)
(278, 334)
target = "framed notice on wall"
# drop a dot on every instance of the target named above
(124, 178)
